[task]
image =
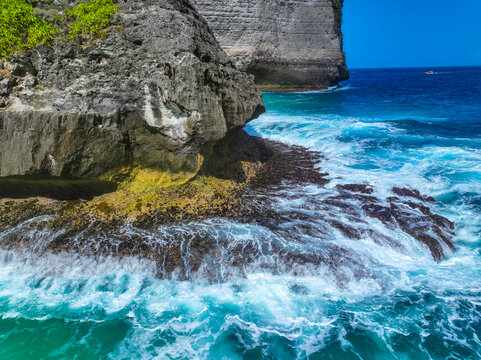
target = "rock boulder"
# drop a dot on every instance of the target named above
(155, 91)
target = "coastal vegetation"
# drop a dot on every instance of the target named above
(90, 18)
(21, 28)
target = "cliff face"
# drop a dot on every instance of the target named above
(155, 91)
(288, 42)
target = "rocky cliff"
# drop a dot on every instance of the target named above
(158, 90)
(291, 43)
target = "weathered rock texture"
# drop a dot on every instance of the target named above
(281, 42)
(156, 91)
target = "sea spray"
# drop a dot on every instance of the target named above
(310, 274)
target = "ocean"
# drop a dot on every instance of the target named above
(414, 128)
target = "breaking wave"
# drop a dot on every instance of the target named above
(335, 271)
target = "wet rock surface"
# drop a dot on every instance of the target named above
(288, 218)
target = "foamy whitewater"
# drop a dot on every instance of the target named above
(386, 128)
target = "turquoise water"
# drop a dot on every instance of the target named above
(385, 128)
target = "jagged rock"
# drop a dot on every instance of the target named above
(285, 44)
(156, 91)
(169, 228)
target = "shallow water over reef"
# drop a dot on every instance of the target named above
(351, 264)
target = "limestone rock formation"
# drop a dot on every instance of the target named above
(156, 91)
(282, 42)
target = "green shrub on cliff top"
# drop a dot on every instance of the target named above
(20, 28)
(90, 17)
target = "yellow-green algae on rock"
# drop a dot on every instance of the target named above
(146, 196)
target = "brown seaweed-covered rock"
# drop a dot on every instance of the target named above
(154, 91)
(190, 229)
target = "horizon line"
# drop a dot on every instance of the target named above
(412, 67)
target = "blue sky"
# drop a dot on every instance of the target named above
(410, 33)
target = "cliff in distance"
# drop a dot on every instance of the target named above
(286, 44)
(157, 90)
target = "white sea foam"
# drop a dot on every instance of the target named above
(330, 89)
(419, 167)
(261, 306)
(387, 291)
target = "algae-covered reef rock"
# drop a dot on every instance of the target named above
(156, 90)
(285, 44)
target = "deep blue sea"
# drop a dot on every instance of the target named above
(415, 128)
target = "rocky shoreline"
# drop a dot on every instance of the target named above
(165, 226)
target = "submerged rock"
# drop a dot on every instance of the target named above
(155, 91)
(265, 207)
(287, 45)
